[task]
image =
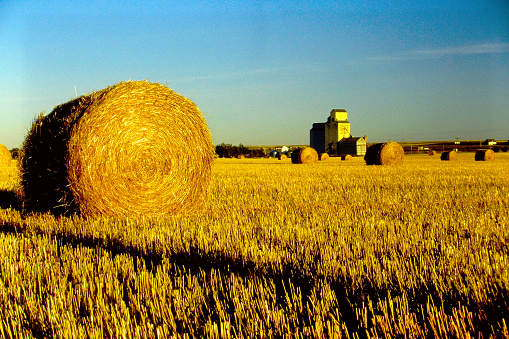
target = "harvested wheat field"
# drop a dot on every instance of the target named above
(135, 149)
(5, 156)
(333, 250)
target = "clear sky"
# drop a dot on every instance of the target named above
(263, 71)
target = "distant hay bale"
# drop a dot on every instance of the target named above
(296, 156)
(432, 152)
(346, 157)
(389, 153)
(241, 157)
(323, 157)
(449, 156)
(282, 157)
(306, 155)
(133, 149)
(5, 156)
(485, 155)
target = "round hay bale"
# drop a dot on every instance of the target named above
(133, 149)
(323, 157)
(485, 155)
(282, 157)
(432, 152)
(5, 156)
(240, 157)
(449, 156)
(346, 157)
(389, 153)
(296, 156)
(306, 155)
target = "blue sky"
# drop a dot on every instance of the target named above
(263, 71)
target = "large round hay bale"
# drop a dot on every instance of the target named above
(449, 156)
(346, 157)
(306, 155)
(432, 152)
(5, 156)
(282, 157)
(485, 155)
(323, 157)
(133, 149)
(389, 153)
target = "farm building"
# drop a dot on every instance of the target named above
(337, 126)
(353, 146)
(324, 133)
(317, 137)
(326, 136)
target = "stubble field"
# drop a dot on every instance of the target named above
(335, 249)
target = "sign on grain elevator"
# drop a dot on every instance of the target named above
(336, 128)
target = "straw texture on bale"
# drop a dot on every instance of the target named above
(346, 157)
(133, 149)
(432, 152)
(5, 156)
(389, 153)
(449, 156)
(485, 155)
(323, 157)
(306, 155)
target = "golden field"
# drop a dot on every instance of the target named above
(335, 249)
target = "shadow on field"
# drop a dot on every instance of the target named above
(196, 260)
(350, 296)
(9, 199)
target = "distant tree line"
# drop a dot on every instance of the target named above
(229, 151)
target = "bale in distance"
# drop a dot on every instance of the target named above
(323, 157)
(388, 154)
(135, 149)
(449, 156)
(282, 157)
(296, 156)
(306, 155)
(485, 155)
(432, 152)
(346, 157)
(5, 156)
